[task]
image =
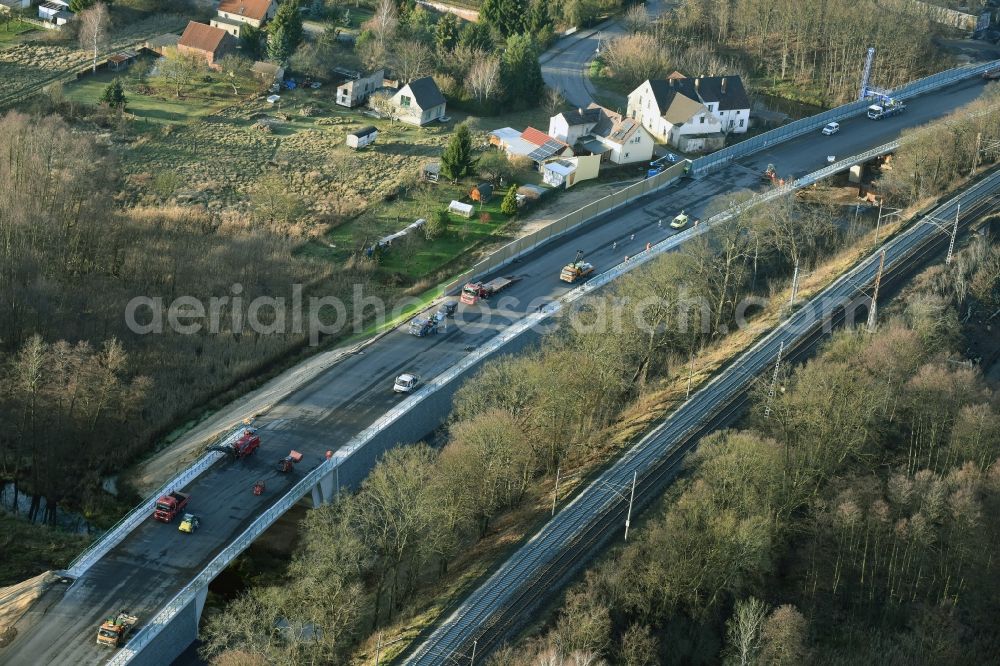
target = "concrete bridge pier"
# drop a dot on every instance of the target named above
(328, 488)
(174, 638)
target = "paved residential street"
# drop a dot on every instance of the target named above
(564, 66)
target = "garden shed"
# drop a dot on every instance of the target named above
(459, 208)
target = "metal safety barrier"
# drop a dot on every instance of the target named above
(567, 223)
(113, 536)
(723, 157)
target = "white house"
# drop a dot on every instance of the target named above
(692, 114)
(55, 11)
(572, 125)
(232, 15)
(600, 131)
(419, 102)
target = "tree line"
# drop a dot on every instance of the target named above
(819, 47)
(849, 524)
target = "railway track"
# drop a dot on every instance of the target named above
(505, 602)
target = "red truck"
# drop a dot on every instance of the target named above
(473, 291)
(170, 505)
(247, 444)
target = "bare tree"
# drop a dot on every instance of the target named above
(637, 18)
(553, 101)
(785, 635)
(483, 80)
(745, 631)
(94, 25)
(635, 58)
(383, 23)
(381, 103)
(412, 59)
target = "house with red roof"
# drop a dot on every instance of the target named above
(206, 42)
(232, 15)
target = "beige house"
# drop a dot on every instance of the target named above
(232, 15)
(600, 131)
(419, 102)
(568, 171)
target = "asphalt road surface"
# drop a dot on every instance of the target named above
(150, 566)
(565, 65)
(539, 568)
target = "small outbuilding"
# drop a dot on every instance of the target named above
(362, 137)
(431, 172)
(482, 193)
(121, 60)
(459, 208)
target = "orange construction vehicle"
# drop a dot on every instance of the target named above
(115, 630)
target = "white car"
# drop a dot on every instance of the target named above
(680, 221)
(406, 383)
(831, 128)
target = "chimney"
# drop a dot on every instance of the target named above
(724, 85)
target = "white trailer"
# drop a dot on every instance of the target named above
(362, 137)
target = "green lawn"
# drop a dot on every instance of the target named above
(9, 31)
(414, 256)
(202, 100)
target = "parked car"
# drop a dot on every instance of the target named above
(406, 383)
(831, 128)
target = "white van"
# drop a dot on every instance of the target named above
(831, 128)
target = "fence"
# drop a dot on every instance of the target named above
(525, 244)
(140, 513)
(723, 157)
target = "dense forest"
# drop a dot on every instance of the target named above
(376, 556)
(853, 525)
(815, 50)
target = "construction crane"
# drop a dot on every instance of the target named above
(867, 90)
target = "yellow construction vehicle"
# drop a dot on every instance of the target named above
(576, 270)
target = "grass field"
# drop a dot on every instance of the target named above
(414, 256)
(155, 109)
(10, 32)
